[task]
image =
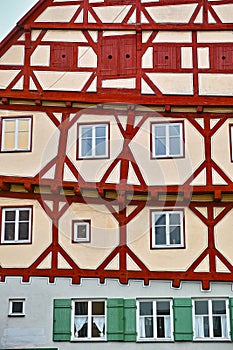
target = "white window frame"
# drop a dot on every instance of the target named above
(154, 316)
(167, 214)
(89, 321)
(15, 314)
(16, 136)
(93, 128)
(75, 230)
(16, 221)
(168, 137)
(210, 320)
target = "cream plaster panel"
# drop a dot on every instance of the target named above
(220, 144)
(220, 36)
(62, 81)
(65, 35)
(14, 55)
(94, 169)
(147, 58)
(6, 76)
(223, 236)
(203, 59)
(119, 83)
(186, 57)
(167, 171)
(104, 234)
(216, 84)
(34, 34)
(112, 14)
(41, 56)
(87, 57)
(172, 14)
(23, 255)
(225, 12)
(173, 83)
(173, 37)
(44, 147)
(196, 240)
(57, 14)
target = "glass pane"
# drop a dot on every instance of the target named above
(100, 145)
(17, 307)
(100, 131)
(174, 129)
(174, 219)
(160, 147)
(174, 146)
(23, 140)
(23, 125)
(98, 308)
(81, 308)
(24, 215)
(206, 327)
(163, 307)
(217, 328)
(9, 125)
(23, 230)
(175, 235)
(160, 235)
(9, 232)
(219, 306)
(10, 215)
(86, 147)
(86, 132)
(146, 330)
(98, 327)
(81, 231)
(160, 327)
(160, 130)
(80, 326)
(160, 219)
(146, 308)
(9, 142)
(201, 307)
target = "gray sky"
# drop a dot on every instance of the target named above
(11, 12)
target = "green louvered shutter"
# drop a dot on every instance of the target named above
(183, 325)
(231, 316)
(62, 320)
(115, 319)
(130, 320)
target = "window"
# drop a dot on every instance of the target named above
(167, 229)
(211, 319)
(155, 320)
(81, 231)
(167, 140)
(16, 307)
(16, 225)
(89, 320)
(93, 141)
(16, 134)
(62, 56)
(166, 57)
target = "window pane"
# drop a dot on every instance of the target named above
(23, 141)
(219, 306)
(217, 327)
(86, 147)
(160, 147)
(100, 131)
(160, 327)
(23, 125)
(175, 236)
(100, 147)
(174, 130)
(9, 232)
(206, 327)
(160, 235)
(174, 219)
(9, 142)
(24, 215)
(23, 230)
(86, 132)
(81, 308)
(163, 308)
(160, 130)
(81, 231)
(98, 308)
(146, 308)
(9, 125)
(10, 215)
(17, 307)
(146, 327)
(174, 146)
(160, 219)
(201, 307)
(98, 326)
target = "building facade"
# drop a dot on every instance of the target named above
(116, 176)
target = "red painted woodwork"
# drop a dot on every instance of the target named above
(62, 56)
(223, 57)
(166, 57)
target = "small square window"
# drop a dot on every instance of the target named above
(93, 141)
(167, 229)
(16, 307)
(167, 140)
(81, 231)
(16, 134)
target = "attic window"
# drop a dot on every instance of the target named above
(62, 56)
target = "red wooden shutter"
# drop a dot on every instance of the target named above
(62, 56)
(165, 57)
(108, 61)
(127, 55)
(223, 57)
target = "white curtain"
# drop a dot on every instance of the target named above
(199, 325)
(79, 322)
(167, 325)
(99, 322)
(142, 327)
(224, 326)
